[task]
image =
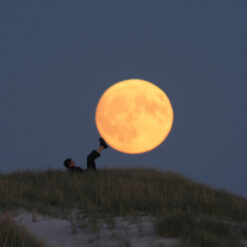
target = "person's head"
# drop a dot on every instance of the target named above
(69, 163)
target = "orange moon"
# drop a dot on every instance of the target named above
(134, 116)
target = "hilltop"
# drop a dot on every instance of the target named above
(179, 205)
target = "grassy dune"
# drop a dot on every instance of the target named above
(180, 205)
(118, 192)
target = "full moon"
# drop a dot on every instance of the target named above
(134, 116)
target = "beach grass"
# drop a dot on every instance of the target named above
(200, 231)
(14, 235)
(118, 192)
(193, 212)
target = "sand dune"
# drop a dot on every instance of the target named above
(58, 232)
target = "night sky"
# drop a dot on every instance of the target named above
(58, 57)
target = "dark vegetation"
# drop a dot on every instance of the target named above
(202, 231)
(199, 215)
(14, 235)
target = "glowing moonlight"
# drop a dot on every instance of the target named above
(134, 116)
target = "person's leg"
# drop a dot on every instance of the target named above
(95, 154)
(91, 160)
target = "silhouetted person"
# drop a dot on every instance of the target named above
(70, 164)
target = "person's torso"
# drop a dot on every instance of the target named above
(75, 169)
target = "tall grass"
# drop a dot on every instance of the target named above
(118, 192)
(200, 231)
(197, 214)
(14, 235)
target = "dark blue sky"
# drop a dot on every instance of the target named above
(58, 57)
